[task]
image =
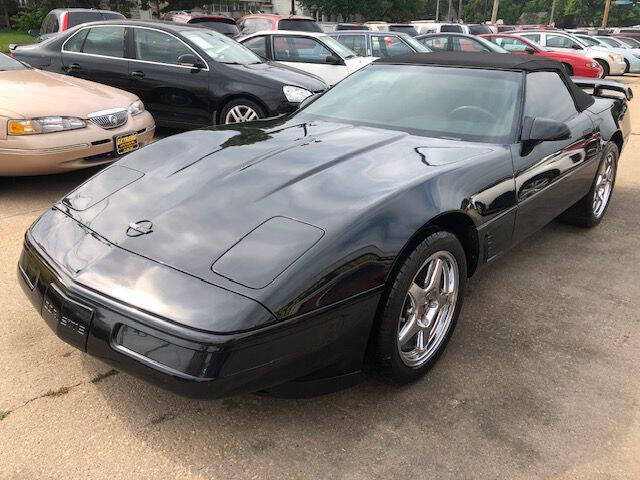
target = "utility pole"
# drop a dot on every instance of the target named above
(449, 11)
(605, 16)
(494, 12)
(293, 7)
(460, 10)
(437, 10)
(553, 10)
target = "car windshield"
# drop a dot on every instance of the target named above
(445, 102)
(415, 44)
(299, 25)
(220, 48)
(590, 41)
(612, 43)
(8, 63)
(78, 18)
(337, 47)
(479, 29)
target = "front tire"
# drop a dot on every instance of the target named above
(591, 208)
(241, 110)
(605, 68)
(421, 308)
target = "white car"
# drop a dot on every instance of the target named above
(631, 55)
(612, 63)
(315, 53)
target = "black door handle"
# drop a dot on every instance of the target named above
(72, 68)
(137, 74)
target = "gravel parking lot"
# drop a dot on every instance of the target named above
(540, 380)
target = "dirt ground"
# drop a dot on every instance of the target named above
(541, 379)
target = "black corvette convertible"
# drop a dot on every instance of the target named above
(284, 254)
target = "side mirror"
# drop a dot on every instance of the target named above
(530, 50)
(575, 46)
(34, 32)
(190, 60)
(333, 60)
(544, 130)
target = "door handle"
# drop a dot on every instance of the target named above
(137, 74)
(72, 68)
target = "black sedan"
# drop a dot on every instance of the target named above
(186, 76)
(273, 255)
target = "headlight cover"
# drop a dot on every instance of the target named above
(136, 108)
(295, 94)
(44, 125)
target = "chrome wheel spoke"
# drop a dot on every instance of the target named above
(603, 185)
(409, 330)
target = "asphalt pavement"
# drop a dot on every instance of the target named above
(541, 379)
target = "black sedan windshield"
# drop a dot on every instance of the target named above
(8, 63)
(221, 48)
(456, 103)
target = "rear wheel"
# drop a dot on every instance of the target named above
(241, 110)
(590, 210)
(605, 68)
(421, 309)
(568, 68)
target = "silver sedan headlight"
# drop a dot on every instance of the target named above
(44, 125)
(136, 108)
(295, 94)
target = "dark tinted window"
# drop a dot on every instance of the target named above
(226, 28)
(74, 44)
(547, 96)
(78, 18)
(299, 25)
(50, 24)
(252, 25)
(8, 63)
(408, 29)
(257, 45)
(479, 29)
(357, 43)
(343, 26)
(451, 28)
(107, 41)
(154, 46)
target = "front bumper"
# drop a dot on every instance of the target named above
(71, 150)
(188, 361)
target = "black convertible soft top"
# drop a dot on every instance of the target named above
(494, 61)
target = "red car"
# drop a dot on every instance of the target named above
(576, 65)
(265, 21)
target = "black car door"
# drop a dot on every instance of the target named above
(553, 175)
(97, 53)
(177, 95)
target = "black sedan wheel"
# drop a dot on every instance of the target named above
(590, 210)
(422, 308)
(240, 111)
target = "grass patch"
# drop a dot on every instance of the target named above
(11, 36)
(57, 393)
(4, 414)
(102, 376)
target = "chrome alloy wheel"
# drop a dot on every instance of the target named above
(241, 114)
(428, 309)
(604, 184)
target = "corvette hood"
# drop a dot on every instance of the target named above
(201, 192)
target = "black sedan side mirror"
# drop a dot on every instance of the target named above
(530, 50)
(34, 32)
(190, 60)
(333, 60)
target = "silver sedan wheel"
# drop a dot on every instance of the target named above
(428, 309)
(241, 114)
(604, 184)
